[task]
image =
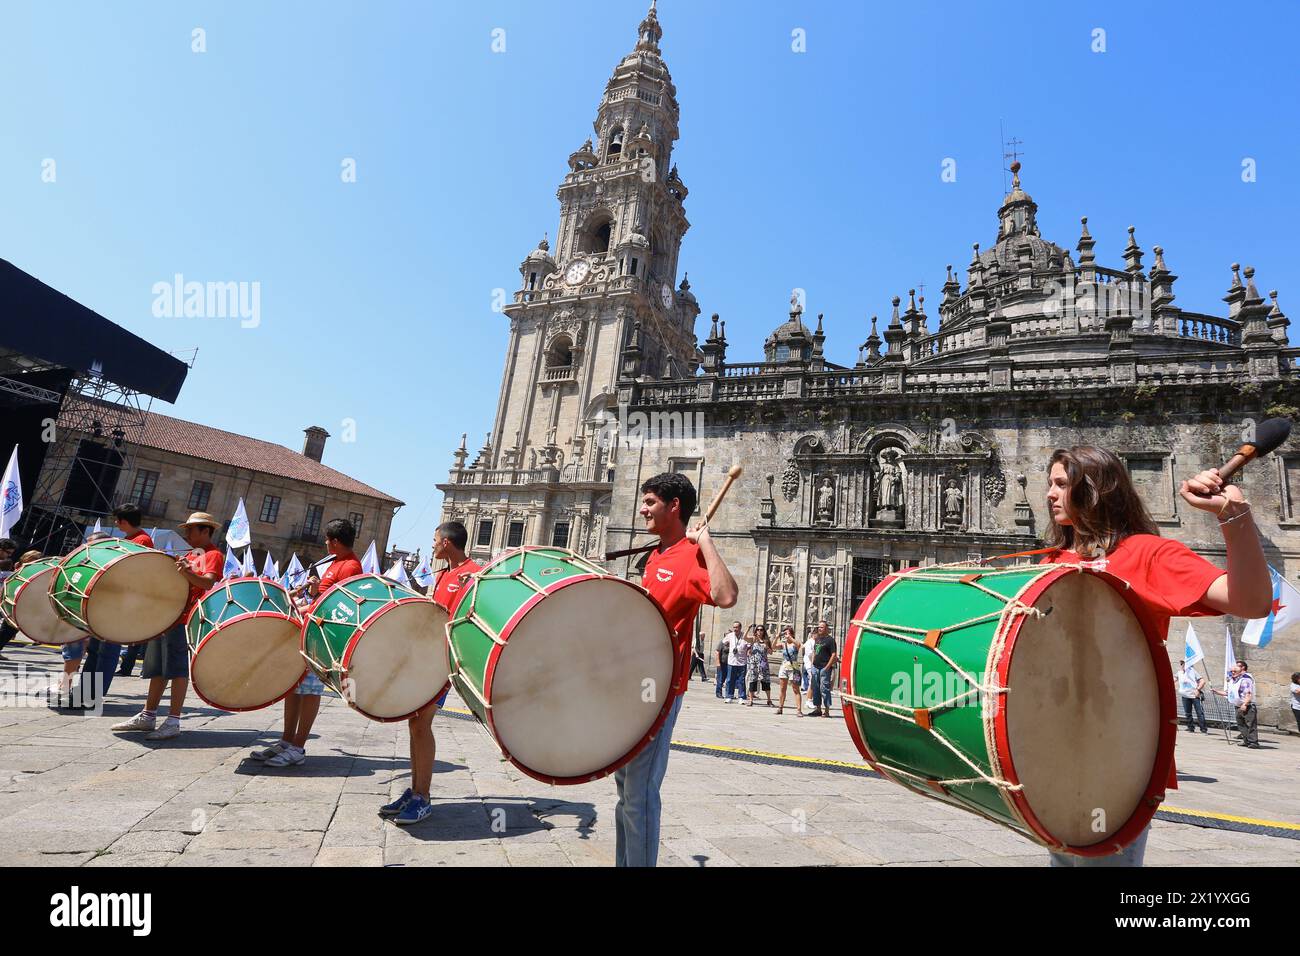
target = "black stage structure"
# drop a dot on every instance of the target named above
(74, 388)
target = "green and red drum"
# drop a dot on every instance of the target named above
(381, 646)
(244, 637)
(570, 669)
(25, 601)
(119, 591)
(1031, 695)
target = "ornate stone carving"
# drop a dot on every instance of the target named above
(954, 504)
(790, 480)
(995, 484)
(826, 501)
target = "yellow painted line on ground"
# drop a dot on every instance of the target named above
(1229, 818)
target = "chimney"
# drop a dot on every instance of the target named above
(314, 446)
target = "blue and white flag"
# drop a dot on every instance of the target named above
(269, 570)
(398, 573)
(239, 534)
(424, 574)
(232, 567)
(11, 496)
(250, 566)
(370, 563)
(295, 575)
(1286, 604)
(1229, 658)
(1192, 652)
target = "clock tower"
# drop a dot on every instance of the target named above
(545, 472)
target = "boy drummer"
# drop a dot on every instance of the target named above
(682, 574)
(449, 541)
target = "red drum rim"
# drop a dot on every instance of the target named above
(235, 620)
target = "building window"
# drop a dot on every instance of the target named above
(560, 535)
(200, 495)
(271, 510)
(484, 533)
(690, 467)
(311, 526)
(146, 483)
(354, 518)
(515, 535)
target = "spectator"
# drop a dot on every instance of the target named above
(1241, 694)
(737, 662)
(825, 654)
(721, 656)
(1191, 687)
(808, 647)
(1295, 698)
(791, 665)
(756, 665)
(697, 658)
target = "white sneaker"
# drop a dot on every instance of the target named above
(289, 757)
(138, 722)
(266, 753)
(171, 727)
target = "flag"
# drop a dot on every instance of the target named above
(269, 570)
(11, 496)
(1229, 658)
(99, 528)
(1286, 605)
(232, 566)
(250, 566)
(294, 574)
(1192, 648)
(239, 534)
(398, 573)
(424, 574)
(370, 563)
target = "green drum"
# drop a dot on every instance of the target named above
(380, 645)
(119, 591)
(1030, 695)
(25, 601)
(244, 636)
(569, 668)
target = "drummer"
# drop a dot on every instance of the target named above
(449, 541)
(167, 657)
(683, 573)
(1097, 513)
(302, 706)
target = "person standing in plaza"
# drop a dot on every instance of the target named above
(1295, 697)
(1241, 694)
(683, 573)
(756, 665)
(167, 657)
(1097, 513)
(721, 654)
(825, 656)
(8, 548)
(737, 662)
(791, 663)
(1191, 688)
(302, 706)
(809, 648)
(697, 657)
(449, 541)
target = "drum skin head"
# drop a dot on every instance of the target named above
(399, 663)
(249, 663)
(136, 598)
(568, 690)
(1082, 710)
(34, 614)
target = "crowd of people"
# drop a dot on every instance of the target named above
(743, 661)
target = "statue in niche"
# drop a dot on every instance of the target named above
(953, 503)
(889, 494)
(826, 501)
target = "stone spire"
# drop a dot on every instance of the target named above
(461, 453)
(872, 344)
(1236, 292)
(631, 358)
(1084, 248)
(1277, 322)
(894, 336)
(649, 33)
(1132, 254)
(714, 350)
(1164, 313)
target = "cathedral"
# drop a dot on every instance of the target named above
(932, 448)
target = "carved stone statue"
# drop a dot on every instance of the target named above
(889, 494)
(826, 501)
(953, 503)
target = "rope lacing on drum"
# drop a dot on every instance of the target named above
(336, 663)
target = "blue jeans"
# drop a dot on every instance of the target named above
(101, 661)
(735, 680)
(636, 815)
(722, 678)
(805, 673)
(821, 687)
(1130, 856)
(1190, 703)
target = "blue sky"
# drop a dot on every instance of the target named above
(819, 170)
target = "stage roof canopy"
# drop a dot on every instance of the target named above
(41, 323)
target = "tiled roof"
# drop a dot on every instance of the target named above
(212, 444)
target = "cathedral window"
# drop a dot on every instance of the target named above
(600, 241)
(560, 535)
(615, 151)
(632, 271)
(532, 280)
(515, 535)
(484, 539)
(560, 352)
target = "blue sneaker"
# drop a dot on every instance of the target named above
(416, 809)
(397, 806)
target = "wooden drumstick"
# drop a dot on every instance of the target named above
(734, 472)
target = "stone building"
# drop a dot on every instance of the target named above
(179, 467)
(932, 448)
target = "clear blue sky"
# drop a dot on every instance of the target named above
(819, 170)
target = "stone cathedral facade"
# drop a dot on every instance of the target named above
(932, 448)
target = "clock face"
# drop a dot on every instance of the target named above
(577, 271)
(666, 295)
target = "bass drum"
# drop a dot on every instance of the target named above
(26, 603)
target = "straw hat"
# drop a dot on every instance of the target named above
(200, 517)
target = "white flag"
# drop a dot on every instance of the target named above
(1192, 648)
(269, 568)
(1286, 606)
(250, 566)
(370, 563)
(239, 534)
(398, 573)
(11, 496)
(1229, 658)
(424, 574)
(295, 573)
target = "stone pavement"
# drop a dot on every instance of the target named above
(73, 793)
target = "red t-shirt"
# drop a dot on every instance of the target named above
(208, 561)
(1169, 579)
(141, 537)
(340, 569)
(678, 580)
(450, 586)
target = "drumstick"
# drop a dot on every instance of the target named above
(733, 473)
(1268, 436)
